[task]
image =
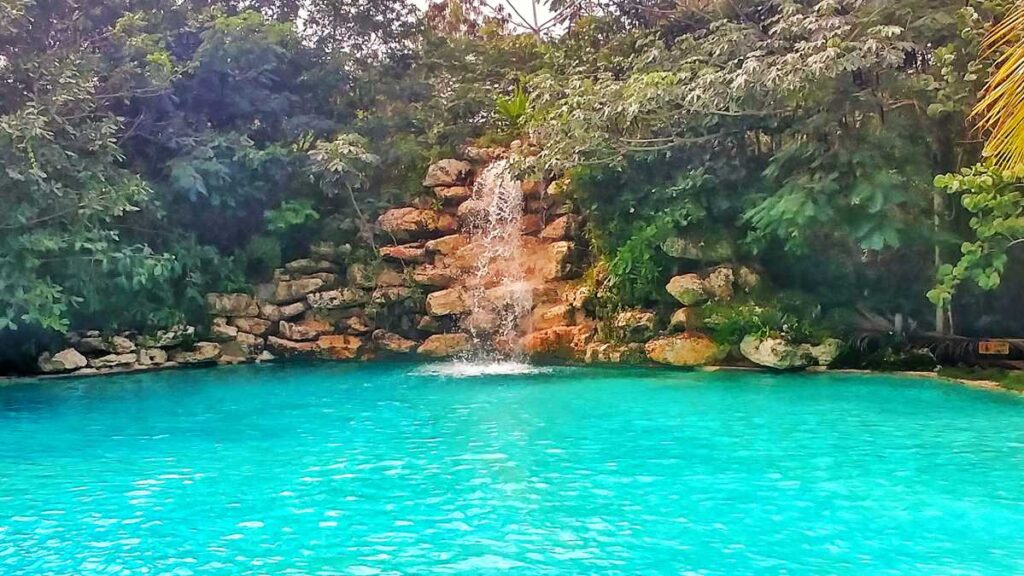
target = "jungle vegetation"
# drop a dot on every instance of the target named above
(154, 150)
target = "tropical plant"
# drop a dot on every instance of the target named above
(1000, 111)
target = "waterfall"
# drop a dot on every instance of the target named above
(499, 298)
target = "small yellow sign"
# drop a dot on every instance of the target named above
(994, 347)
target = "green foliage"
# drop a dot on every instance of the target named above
(789, 315)
(289, 214)
(513, 110)
(995, 200)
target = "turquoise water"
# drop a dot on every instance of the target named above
(381, 469)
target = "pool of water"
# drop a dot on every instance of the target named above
(396, 469)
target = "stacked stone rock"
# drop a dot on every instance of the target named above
(92, 352)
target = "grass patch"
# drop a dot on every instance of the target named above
(1009, 379)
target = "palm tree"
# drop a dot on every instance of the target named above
(1000, 111)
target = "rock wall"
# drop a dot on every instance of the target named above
(415, 299)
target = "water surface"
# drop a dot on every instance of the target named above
(396, 469)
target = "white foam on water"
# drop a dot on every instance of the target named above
(466, 369)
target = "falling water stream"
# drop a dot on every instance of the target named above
(498, 295)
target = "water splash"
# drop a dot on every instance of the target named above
(499, 298)
(475, 369)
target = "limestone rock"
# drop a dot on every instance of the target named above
(747, 278)
(152, 356)
(447, 245)
(63, 361)
(361, 275)
(283, 347)
(445, 345)
(553, 343)
(356, 325)
(309, 329)
(99, 344)
(255, 326)
(606, 353)
(330, 252)
(472, 211)
(221, 331)
(447, 172)
(335, 299)
(408, 253)
(776, 353)
(231, 304)
(409, 224)
(553, 316)
(453, 194)
(274, 313)
(531, 224)
(200, 353)
(718, 285)
(635, 325)
(825, 353)
(688, 289)
(430, 325)
(446, 302)
(113, 360)
(391, 342)
(340, 347)
(559, 261)
(687, 350)
(685, 319)
(565, 228)
(310, 266)
(174, 336)
(560, 187)
(287, 291)
(482, 155)
(433, 276)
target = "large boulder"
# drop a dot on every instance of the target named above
(274, 313)
(445, 345)
(776, 353)
(100, 345)
(531, 224)
(288, 291)
(391, 342)
(433, 276)
(558, 261)
(553, 316)
(606, 353)
(310, 266)
(747, 278)
(308, 329)
(635, 325)
(201, 353)
(231, 304)
(409, 224)
(63, 361)
(113, 360)
(340, 347)
(565, 228)
(826, 353)
(688, 289)
(685, 319)
(169, 338)
(152, 357)
(718, 284)
(448, 302)
(453, 194)
(448, 172)
(553, 343)
(255, 326)
(284, 347)
(447, 245)
(472, 211)
(407, 253)
(686, 350)
(221, 331)
(337, 299)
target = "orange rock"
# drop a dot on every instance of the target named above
(339, 347)
(687, 350)
(531, 224)
(553, 343)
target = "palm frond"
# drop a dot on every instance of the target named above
(1000, 110)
